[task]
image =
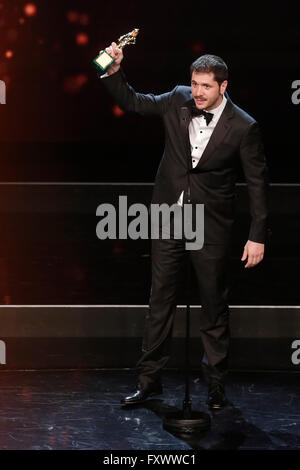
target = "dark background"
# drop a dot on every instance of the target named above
(59, 123)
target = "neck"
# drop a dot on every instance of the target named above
(217, 103)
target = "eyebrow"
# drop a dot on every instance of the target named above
(208, 84)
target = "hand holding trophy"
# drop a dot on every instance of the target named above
(110, 59)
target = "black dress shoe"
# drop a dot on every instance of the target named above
(141, 395)
(216, 396)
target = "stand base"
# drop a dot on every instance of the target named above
(178, 423)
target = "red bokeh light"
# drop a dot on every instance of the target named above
(72, 16)
(6, 79)
(118, 248)
(26, 394)
(21, 20)
(117, 112)
(9, 54)
(81, 79)
(7, 298)
(12, 35)
(30, 9)
(84, 19)
(56, 47)
(197, 47)
(76, 17)
(52, 74)
(3, 71)
(73, 84)
(82, 39)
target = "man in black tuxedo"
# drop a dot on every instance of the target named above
(207, 136)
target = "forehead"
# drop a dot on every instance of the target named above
(203, 77)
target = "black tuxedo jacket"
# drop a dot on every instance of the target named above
(236, 138)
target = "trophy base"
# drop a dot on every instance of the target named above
(103, 61)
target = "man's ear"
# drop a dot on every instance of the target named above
(223, 87)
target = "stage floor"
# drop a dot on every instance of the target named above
(81, 410)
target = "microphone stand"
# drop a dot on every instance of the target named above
(187, 421)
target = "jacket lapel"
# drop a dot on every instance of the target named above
(185, 119)
(218, 134)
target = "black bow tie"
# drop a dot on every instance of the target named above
(200, 112)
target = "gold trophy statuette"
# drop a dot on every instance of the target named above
(104, 60)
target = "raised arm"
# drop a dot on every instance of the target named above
(126, 97)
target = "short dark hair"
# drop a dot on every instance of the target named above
(211, 63)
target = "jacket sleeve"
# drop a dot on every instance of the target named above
(129, 100)
(256, 175)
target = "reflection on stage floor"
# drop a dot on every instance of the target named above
(68, 409)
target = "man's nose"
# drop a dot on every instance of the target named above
(198, 90)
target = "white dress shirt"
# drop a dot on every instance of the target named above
(200, 134)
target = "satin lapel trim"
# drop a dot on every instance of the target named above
(218, 134)
(185, 119)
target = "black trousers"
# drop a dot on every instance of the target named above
(210, 265)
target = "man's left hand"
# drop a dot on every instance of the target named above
(254, 252)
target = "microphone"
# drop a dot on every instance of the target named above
(185, 116)
(184, 113)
